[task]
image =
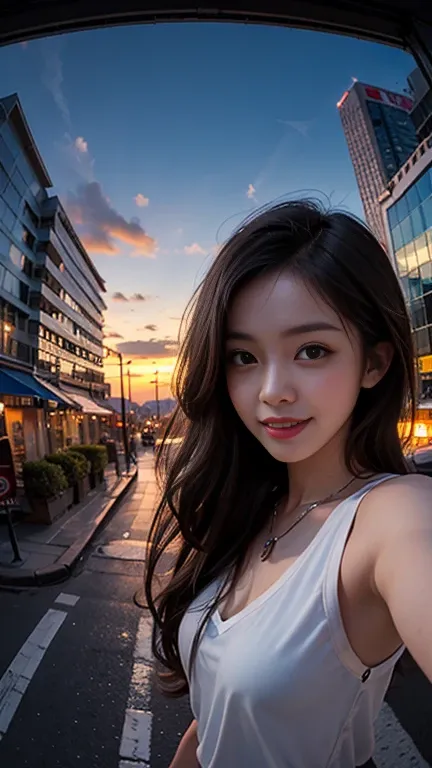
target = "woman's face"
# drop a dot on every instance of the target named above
(292, 364)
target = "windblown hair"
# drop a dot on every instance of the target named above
(219, 484)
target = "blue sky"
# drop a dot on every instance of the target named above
(187, 116)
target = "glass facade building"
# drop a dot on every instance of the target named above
(51, 305)
(407, 208)
(380, 136)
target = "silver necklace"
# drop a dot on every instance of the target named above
(272, 540)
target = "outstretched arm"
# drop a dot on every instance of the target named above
(185, 757)
(403, 568)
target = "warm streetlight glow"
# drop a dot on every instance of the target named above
(7, 327)
(2, 407)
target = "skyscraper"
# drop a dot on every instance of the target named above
(380, 136)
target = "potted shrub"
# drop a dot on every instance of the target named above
(70, 465)
(97, 455)
(45, 485)
(82, 485)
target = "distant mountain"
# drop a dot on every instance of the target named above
(146, 409)
(165, 406)
(115, 402)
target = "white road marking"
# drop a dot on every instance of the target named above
(18, 675)
(132, 764)
(394, 746)
(66, 599)
(136, 737)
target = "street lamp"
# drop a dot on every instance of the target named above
(123, 409)
(129, 362)
(155, 381)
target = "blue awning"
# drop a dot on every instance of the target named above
(23, 384)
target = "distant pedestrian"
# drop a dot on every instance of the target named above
(133, 448)
(303, 546)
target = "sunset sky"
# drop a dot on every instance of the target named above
(160, 139)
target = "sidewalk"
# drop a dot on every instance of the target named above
(49, 552)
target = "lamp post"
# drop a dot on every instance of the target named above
(155, 381)
(130, 391)
(123, 408)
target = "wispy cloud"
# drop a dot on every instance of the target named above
(112, 335)
(118, 296)
(53, 77)
(149, 327)
(100, 225)
(300, 126)
(151, 348)
(251, 192)
(194, 249)
(81, 145)
(138, 297)
(141, 201)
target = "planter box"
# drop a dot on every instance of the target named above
(45, 511)
(81, 489)
(96, 479)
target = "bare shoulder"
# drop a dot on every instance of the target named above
(400, 504)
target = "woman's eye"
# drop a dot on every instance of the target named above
(241, 358)
(312, 352)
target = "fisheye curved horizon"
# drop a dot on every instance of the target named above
(403, 24)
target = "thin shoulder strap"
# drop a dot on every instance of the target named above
(331, 575)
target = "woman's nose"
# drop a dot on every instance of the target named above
(276, 388)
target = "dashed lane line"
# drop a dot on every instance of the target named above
(18, 675)
(135, 746)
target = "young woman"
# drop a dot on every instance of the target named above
(303, 548)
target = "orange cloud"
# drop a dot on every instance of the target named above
(99, 223)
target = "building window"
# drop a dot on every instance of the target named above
(23, 292)
(28, 238)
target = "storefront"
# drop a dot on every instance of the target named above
(24, 403)
(93, 420)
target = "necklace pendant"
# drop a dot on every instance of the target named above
(268, 548)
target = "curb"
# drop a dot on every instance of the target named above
(62, 569)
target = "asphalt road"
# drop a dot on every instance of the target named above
(79, 687)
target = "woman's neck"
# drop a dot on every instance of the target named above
(320, 475)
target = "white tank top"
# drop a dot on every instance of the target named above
(278, 684)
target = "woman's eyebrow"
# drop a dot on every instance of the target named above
(295, 330)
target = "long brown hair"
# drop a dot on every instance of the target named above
(219, 484)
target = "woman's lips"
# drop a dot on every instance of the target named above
(285, 430)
